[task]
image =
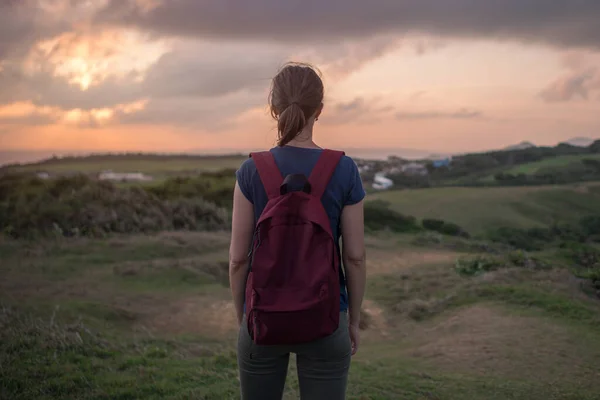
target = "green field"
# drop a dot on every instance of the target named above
(554, 162)
(148, 164)
(480, 209)
(149, 317)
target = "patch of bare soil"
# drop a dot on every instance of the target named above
(373, 321)
(195, 315)
(386, 262)
(482, 339)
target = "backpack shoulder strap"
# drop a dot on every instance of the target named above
(323, 171)
(270, 176)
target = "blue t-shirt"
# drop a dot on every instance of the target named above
(344, 188)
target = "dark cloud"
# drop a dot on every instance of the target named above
(558, 22)
(463, 113)
(23, 22)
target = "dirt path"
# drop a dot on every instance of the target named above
(483, 339)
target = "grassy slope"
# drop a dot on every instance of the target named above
(152, 165)
(561, 161)
(477, 209)
(147, 317)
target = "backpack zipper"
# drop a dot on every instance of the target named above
(255, 244)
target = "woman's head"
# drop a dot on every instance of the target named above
(296, 98)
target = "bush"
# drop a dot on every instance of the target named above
(590, 225)
(477, 265)
(215, 187)
(81, 206)
(378, 216)
(583, 255)
(446, 228)
(517, 238)
(522, 259)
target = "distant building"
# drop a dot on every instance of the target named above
(380, 182)
(414, 168)
(123, 176)
(444, 162)
(43, 175)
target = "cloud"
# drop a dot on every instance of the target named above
(192, 83)
(341, 58)
(563, 23)
(463, 113)
(356, 111)
(573, 85)
(580, 82)
(189, 70)
(29, 114)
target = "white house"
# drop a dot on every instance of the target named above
(123, 176)
(414, 168)
(380, 182)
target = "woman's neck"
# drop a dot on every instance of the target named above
(304, 139)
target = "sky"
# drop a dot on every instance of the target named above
(193, 75)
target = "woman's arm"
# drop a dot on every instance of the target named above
(353, 255)
(242, 227)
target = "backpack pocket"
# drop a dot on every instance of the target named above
(294, 315)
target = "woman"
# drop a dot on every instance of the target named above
(296, 102)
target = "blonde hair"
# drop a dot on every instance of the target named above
(296, 95)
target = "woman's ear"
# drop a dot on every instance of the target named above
(319, 110)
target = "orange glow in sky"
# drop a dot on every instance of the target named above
(104, 86)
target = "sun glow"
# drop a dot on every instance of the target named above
(87, 59)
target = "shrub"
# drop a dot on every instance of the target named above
(81, 206)
(583, 255)
(515, 237)
(378, 216)
(590, 225)
(476, 265)
(520, 258)
(444, 227)
(215, 187)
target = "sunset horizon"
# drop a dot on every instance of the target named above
(185, 76)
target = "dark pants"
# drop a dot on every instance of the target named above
(322, 366)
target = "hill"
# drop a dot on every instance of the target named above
(520, 146)
(149, 317)
(479, 210)
(554, 162)
(137, 304)
(156, 165)
(580, 141)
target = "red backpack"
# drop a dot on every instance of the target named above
(293, 288)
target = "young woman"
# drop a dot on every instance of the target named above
(296, 102)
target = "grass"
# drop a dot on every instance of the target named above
(139, 317)
(149, 164)
(553, 162)
(49, 360)
(479, 209)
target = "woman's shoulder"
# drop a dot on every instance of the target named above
(347, 165)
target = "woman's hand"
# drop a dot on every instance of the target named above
(354, 337)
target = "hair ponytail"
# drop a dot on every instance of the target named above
(290, 123)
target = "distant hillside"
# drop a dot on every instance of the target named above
(156, 165)
(520, 146)
(579, 141)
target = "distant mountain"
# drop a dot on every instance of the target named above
(520, 146)
(579, 141)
